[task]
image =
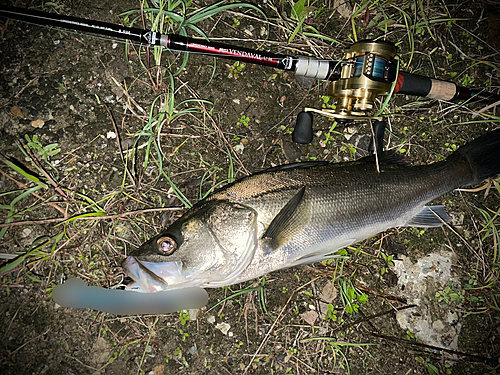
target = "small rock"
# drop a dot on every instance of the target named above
(193, 314)
(239, 148)
(158, 370)
(438, 326)
(306, 82)
(322, 330)
(360, 141)
(128, 143)
(25, 233)
(457, 219)
(430, 321)
(100, 351)
(38, 123)
(343, 8)
(223, 327)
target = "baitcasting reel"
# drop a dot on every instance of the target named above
(367, 70)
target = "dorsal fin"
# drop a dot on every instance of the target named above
(302, 165)
(386, 157)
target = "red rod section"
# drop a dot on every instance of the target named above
(182, 43)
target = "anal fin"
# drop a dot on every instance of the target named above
(430, 217)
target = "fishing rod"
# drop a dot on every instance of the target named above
(368, 68)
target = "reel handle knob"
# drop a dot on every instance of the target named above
(303, 132)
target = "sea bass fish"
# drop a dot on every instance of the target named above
(301, 213)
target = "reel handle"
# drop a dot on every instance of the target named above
(303, 131)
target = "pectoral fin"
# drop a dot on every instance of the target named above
(286, 222)
(429, 217)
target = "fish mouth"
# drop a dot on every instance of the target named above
(150, 277)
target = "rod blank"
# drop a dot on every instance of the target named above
(407, 83)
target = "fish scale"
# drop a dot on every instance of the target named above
(343, 216)
(302, 213)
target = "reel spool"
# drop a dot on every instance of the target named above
(368, 69)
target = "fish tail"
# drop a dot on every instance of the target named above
(481, 158)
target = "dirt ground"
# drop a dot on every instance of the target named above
(406, 302)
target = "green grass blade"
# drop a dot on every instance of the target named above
(87, 214)
(207, 12)
(21, 169)
(236, 294)
(11, 214)
(177, 191)
(34, 251)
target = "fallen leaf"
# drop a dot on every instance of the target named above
(310, 317)
(16, 111)
(328, 293)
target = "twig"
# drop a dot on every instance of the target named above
(487, 107)
(375, 147)
(278, 319)
(486, 360)
(23, 186)
(264, 341)
(83, 364)
(118, 142)
(373, 316)
(218, 129)
(27, 342)
(46, 174)
(386, 296)
(128, 96)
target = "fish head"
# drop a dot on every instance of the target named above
(209, 246)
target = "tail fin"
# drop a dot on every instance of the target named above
(482, 156)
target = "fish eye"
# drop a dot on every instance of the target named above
(166, 245)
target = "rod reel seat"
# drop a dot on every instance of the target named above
(367, 70)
